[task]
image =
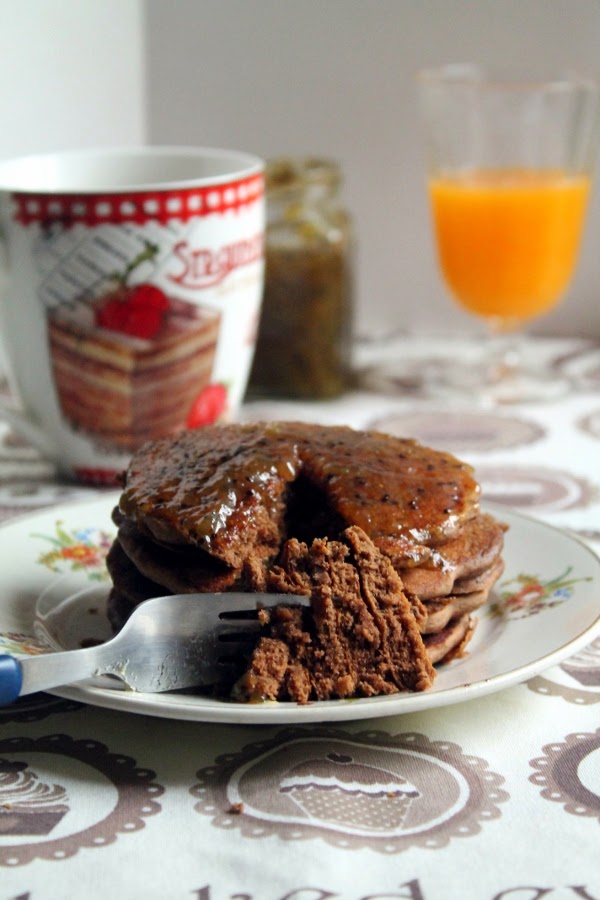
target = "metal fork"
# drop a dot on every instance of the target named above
(168, 643)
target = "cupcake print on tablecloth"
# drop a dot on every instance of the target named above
(338, 789)
(28, 806)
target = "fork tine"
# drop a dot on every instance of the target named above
(237, 627)
(225, 641)
(238, 603)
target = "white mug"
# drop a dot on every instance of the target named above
(131, 289)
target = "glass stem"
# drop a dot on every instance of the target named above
(506, 341)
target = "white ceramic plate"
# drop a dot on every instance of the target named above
(545, 608)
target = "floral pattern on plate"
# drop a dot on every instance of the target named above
(533, 595)
(77, 550)
(21, 644)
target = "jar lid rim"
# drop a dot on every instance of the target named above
(289, 172)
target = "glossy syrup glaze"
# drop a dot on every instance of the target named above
(218, 485)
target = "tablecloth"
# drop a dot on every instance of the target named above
(492, 799)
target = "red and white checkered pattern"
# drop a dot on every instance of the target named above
(137, 207)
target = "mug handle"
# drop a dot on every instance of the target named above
(26, 429)
(13, 417)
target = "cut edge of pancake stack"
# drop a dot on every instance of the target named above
(385, 535)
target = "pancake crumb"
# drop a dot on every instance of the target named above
(236, 809)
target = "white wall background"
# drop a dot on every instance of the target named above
(72, 74)
(337, 77)
(292, 76)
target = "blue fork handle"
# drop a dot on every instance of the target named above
(11, 679)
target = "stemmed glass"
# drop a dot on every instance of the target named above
(509, 166)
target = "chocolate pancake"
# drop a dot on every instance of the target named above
(224, 508)
(451, 641)
(470, 554)
(225, 489)
(439, 613)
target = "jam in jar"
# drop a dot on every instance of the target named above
(303, 348)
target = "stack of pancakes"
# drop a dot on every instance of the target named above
(215, 509)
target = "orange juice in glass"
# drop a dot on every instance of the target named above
(508, 239)
(509, 178)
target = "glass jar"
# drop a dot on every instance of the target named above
(303, 348)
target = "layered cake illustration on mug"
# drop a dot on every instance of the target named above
(28, 806)
(130, 363)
